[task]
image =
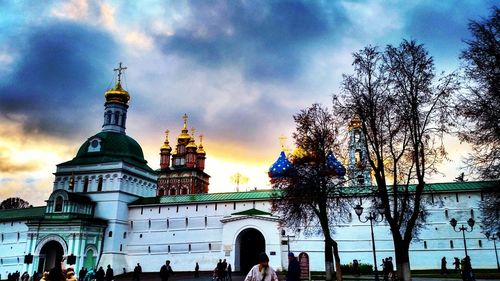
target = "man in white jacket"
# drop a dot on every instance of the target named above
(262, 271)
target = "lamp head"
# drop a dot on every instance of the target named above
(381, 209)
(453, 222)
(359, 210)
(471, 222)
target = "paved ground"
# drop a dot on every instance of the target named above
(241, 277)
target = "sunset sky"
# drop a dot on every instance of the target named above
(238, 69)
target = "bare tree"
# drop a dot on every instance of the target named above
(479, 106)
(308, 194)
(404, 111)
(14, 203)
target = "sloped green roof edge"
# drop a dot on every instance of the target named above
(266, 194)
(252, 212)
(22, 214)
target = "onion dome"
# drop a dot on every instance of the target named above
(281, 167)
(191, 143)
(117, 94)
(355, 123)
(200, 149)
(334, 165)
(112, 147)
(184, 133)
(166, 145)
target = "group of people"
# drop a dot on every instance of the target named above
(59, 273)
(222, 271)
(388, 269)
(463, 266)
(16, 276)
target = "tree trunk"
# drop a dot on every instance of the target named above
(338, 271)
(328, 259)
(403, 260)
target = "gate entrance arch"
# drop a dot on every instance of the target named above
(249, 244)
(50, 253)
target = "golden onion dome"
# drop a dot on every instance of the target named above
(184, 133)
(117, 94)
(355, 123)
(166, 145)
(191, 143)
(200, 149)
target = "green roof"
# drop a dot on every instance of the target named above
(462, 186)
(267, 194)
(22, 214)
(252, 212)
(206, 197)
(114, 147)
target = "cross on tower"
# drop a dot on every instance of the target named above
(119, 69)
(282, 139)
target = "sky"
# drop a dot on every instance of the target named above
(240, 70)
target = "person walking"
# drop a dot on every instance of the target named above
(229, 271)
(456, 263)
(262, 271)
(166, 271)
(293, 273)
(99, 275)
(109, 273)
(196, 270)
(136, 276)
(444, 270)
(81, 274)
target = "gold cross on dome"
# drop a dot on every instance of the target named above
(282, 139)
(120, 69)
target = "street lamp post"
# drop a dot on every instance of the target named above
(463, 228)
(494, 237)
(372, 216)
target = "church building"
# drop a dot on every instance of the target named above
(108, 206)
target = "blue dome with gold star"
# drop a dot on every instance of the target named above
(281, 167)
(335, 165)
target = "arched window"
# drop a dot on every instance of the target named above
(172, 191)
(425, 244)
(110, 234)
(184, 191)
(99, 184)
(357, 136)
(360, 179)
(124, 235)
(59, 204)
(117, 117)
(108, 118)
(86, 184)
(358, 155)
(451, 244)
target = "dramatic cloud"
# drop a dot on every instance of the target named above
(62, 72)
(268, 39)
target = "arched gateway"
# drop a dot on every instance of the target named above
(249, 243)
(50, 253)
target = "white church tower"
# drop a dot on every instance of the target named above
(358, 169)
(111, 171)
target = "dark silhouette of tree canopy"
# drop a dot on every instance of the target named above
(14, 203)
(309, 194)
(404, 110)
(480, 105)
(490, 209)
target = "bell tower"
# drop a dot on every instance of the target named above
(358, 169)
(185, 174)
